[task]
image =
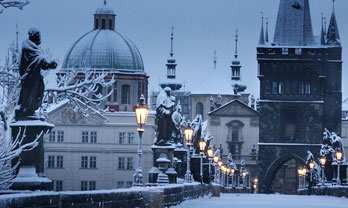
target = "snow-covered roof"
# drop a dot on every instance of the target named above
(54, 106)
(345, 105)
(214, 83)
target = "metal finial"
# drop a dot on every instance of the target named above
(236, 49)
(215, 59)
(171, 42)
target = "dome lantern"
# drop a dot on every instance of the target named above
(104, 18)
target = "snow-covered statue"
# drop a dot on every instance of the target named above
(197, 132)
(178, 121)
(32, 86)
(165, 106)
(331, 143)
(315, 171)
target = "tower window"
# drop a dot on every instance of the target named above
(281, 88)
(103, 24)
(125, 94)
(308, 88)
(110, 24)
(274, 88)
(199, 109)
(96, 24)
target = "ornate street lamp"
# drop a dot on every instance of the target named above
(228, 170)
(232, 172)
(339, 155)
(141, 112)
(210, 153)
(323, 162)
(300, 176)
(202, 145)
(188, 131)
(244, 176)
(311, 167)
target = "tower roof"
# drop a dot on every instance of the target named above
(294, 26)
(105, 9)
(333, 37)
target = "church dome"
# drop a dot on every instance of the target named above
(104, 49)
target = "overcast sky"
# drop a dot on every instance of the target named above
(201, 26)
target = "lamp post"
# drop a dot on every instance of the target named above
(141, 112)
(220, 168)
(256, 182)
(210, 152)
(232, 172)
(300, 174)
(339, 158)
(202, 145)
(188, 136)
(244, 176)
(216, 160)
(228, 170)
(304, 172)
(322, 162)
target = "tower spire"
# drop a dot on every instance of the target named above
(17, 50)
(266, 40)
(262, 37)
(322, 36)
(215, 59)
(332, 36)
(171, 42)
(236, 49)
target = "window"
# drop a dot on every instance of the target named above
(85, 137)
(93, 137)
(301, 88)
(122, 138)
(235, 133)
(103, 23)
(60, 136)
(307, 88)
(50, 162)
(130, 137)
(281, 88)
(274, 88)
(199, 109)
(92, 185)
(129, 163)
(59, 161)
(96, 24)
(121, 161)
(84, 186)
(129, 184)
(84, 162)
(58, 185)
(110, 24)
(125, 94)
(120, 184)
(52, 136)
(92, 162)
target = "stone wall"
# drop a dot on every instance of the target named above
(156, 197)
(338, 191)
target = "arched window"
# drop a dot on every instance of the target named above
(103, 24)
(110, 24)
(199, 109)
(235, 136)
(125, 94)
(235, 133)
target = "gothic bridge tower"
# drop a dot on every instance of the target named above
(300, 92)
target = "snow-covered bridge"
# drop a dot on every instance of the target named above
(266, 201)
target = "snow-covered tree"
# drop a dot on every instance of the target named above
(82, 89)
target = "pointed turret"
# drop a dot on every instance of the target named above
(171, 67)
(266, 37)
(104, 18)
(332, 36)
(262, 36)
(294, 26)
(322, 34)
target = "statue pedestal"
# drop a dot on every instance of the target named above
(31, 168)
(163, 152)
(180, 153)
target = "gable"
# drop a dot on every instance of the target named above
(234, 108)
(64, 116)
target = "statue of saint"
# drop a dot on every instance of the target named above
(32, 86)
(165, 106)
(178, 121)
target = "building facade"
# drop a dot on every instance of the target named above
(300, 90)
(100, 151)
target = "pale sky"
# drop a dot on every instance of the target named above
(201, 26)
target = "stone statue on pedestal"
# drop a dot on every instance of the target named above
(32, 85)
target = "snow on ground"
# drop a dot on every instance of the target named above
(266, 201)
